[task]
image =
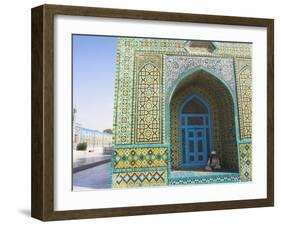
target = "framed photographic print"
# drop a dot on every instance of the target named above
(141, 112)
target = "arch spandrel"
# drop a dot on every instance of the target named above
(178, 67)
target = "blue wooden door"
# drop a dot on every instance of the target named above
(195, 136)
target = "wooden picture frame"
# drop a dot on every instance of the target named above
(43, 112)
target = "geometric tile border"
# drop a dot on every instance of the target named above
(244, 89)
(206, 180)
(148, 99)
(140, 179)
(246, 161)
(140, 157)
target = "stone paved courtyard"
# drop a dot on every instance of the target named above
(95, 177)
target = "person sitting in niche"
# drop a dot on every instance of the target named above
(213, 162)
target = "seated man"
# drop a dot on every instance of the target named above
(213, 162)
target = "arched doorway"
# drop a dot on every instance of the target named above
(195, 131)
(202, 119)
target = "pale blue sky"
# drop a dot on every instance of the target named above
(94, 59)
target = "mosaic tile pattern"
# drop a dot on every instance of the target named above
(140, 157)
(220, 67)
(244, 89)
(140, 179)
(123, 126)
(125, 71)
(140, 110)
(148, 115)
(242, 50)
(246, 161)
(223, 125)
(123, 93)
(205, 180)
(197, 173)
(175, 123)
